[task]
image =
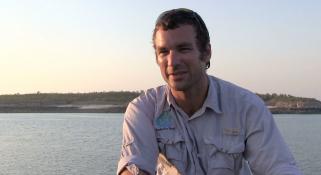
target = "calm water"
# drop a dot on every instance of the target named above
(89, 144)
(59, 144)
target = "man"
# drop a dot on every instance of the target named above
(199, 123)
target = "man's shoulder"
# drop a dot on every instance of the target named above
(148, 103)
(152, 95)
(232, 92)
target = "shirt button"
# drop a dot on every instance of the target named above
(198, 155)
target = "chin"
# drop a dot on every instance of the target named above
(178, 87)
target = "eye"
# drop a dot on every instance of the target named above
(185, 49)
(162, 52)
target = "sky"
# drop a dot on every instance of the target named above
(99, 45)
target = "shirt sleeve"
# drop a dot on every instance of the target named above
(139, 145)
(266, 151)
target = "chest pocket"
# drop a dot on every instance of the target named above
(172, 144)
(223, 157)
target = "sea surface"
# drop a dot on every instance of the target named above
(89, 144)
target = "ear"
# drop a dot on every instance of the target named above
(208, 53)
(206, 56)
(156, 59)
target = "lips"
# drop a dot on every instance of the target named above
(178, 75)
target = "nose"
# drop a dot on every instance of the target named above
(173, 59)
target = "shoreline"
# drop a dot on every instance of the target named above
(116, 102)
(120, 109)
(57, 109)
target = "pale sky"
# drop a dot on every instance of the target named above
(85, 46)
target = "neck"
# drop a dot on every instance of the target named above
(192, 99)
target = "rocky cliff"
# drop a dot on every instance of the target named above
(282, 103)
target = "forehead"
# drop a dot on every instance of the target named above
(173, 37)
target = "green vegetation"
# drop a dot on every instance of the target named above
(282, 97)
(97, 102)
(117, 102)
(42, 99)
(289, 100)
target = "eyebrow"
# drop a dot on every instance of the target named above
(184, 44)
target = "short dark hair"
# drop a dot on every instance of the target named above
(174, 18)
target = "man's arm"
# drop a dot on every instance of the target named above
(139, 146)
(266, 150)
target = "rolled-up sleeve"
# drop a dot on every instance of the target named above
(266, 150)
(139, 145)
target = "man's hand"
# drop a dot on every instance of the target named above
(126, 172)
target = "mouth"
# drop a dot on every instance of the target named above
(177, 75)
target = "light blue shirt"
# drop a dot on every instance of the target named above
(233, 125)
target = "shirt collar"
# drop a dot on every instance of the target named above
(213, 99)
(170, 98)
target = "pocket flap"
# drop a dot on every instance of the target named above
(236, 147)
(169, 136)
(222, 161)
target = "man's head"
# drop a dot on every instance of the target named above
(182, 49)
(175, 18)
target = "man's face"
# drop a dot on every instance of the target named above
(179, 58)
